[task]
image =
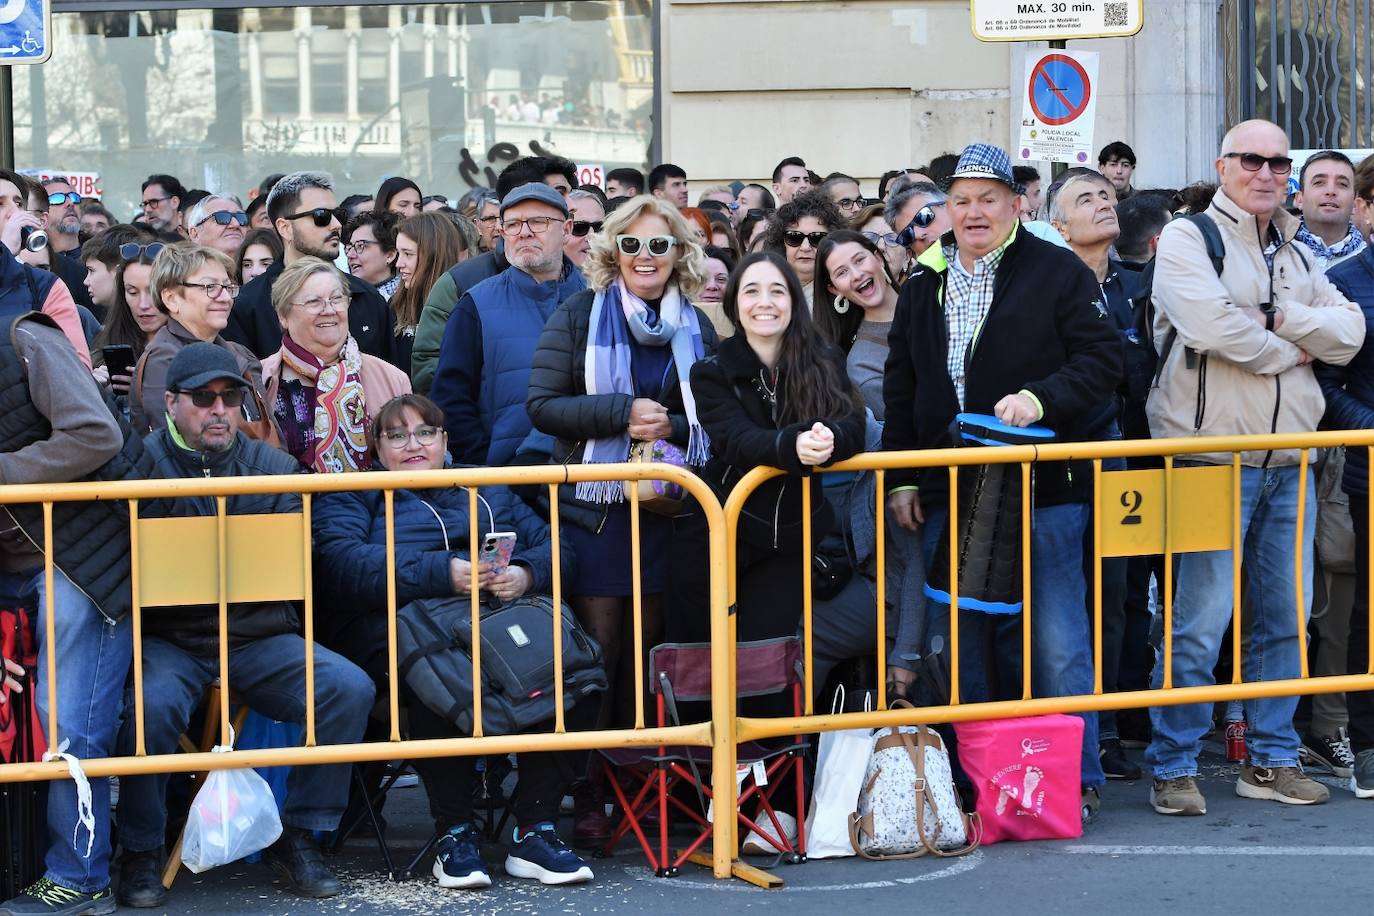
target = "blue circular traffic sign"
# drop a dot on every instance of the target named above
(1059, 89)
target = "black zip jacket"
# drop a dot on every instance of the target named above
(1047, 331)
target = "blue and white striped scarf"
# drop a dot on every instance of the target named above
(617, 316)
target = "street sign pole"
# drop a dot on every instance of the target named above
(1057, 169)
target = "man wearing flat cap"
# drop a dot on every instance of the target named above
(483, 374)
(205, 392)
(996, 321)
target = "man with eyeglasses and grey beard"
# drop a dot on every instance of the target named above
(482, 378)
(305, 212)
(1236, 345)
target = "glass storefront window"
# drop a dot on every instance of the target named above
(446, 94)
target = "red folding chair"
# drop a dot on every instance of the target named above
(643, 783)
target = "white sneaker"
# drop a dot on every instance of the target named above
(756, 845)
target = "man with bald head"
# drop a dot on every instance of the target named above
(1236, 352)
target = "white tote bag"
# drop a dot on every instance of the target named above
(841, 761)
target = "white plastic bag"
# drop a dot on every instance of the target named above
(840, 764)
(233, 815)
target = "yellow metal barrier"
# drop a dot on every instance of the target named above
(227, 558)
(1137, 512)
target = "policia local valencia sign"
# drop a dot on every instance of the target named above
(1055, 20)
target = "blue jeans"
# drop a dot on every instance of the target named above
(93, 657)
(1202, 610)
(1061, 634)
(269, 675)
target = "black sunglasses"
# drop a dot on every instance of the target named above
(322, 216)
(225, 217)
(131, 251)
(205, 398)
(923, 218)
(1253, 162)
(581, 227)
(793, 238)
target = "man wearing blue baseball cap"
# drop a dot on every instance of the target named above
(996, 321)
(482, 377)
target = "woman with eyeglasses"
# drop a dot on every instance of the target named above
(261, 249)
(856, 299)
(718, 265)
(321, 389)
(191, 285)
(427, 246)
(588, 216)
(132, 320)
(874, 226)
(796, 230)
(612, 369)
(369, 241)
(435, 558)
(398, 195)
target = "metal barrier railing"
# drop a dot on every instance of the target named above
(1171, 510)
(228, 545)
(1178, 492)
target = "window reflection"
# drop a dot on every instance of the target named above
(444, 93)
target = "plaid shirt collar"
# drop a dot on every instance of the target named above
(988, 261)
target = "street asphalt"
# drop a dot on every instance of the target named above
(1243, 857)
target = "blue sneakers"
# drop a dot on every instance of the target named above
(458, 863)
(542, 854)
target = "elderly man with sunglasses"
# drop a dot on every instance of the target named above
(218, 221)
(205, 391)
(306, 215)
(1236, 350)
(482, 378)
(918, 214)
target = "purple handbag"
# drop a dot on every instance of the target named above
(662, 497)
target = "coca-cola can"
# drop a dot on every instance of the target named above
(1235, 741)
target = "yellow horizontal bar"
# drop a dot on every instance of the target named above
(750, 729)
(693, 735)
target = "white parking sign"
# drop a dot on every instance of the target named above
(24, 28)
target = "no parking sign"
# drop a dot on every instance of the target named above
(1059, 107)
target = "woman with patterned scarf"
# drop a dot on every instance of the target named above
(613, 367)
(321, 389)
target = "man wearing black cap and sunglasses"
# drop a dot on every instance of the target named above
(305, 212)
(266, 655)
(483, 374)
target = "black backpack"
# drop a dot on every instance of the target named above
(434, 646)
(1145, 307)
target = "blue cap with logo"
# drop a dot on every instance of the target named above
(983, 160)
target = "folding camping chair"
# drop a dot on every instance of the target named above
(682, 672)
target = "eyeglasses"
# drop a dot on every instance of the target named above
(881, 238)
(214, 289)
(849, 203)
(225, 217)
(657, 245)
(151, 202)
(488, 219)
(58, 198)
(358, 246)
(537, 224)
(400, 438)
(793, 238)
(758, 213)
(314, 305)
(923, 218)
(205, 398)
(581, 227)
(131, 251)
(322, 216)
(1253, 162)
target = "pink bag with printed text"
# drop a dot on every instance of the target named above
(1026, 776)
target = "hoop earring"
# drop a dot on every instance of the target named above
(841, 305)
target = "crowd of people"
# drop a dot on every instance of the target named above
(792, 324)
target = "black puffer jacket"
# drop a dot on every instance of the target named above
(196, 629)
(736, 410)
(559, 405)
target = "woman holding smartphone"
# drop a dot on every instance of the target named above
(132, 321)
(435, 559)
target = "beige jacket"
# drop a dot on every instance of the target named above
(1225, 374)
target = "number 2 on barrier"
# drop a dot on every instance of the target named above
(1134, 518)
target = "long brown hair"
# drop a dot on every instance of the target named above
(120, 326)
(841, 329)
(811, 383)
(438, 246)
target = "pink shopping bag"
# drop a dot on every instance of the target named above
(1025, 775)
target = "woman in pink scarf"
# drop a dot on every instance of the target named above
(322, 390)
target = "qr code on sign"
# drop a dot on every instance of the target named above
(1116, 14)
